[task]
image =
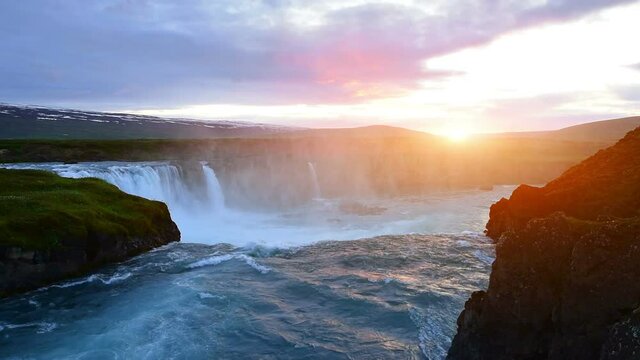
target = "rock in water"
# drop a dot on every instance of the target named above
(565, 281)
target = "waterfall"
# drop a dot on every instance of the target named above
(156, 181)
(151, 181)
(214, 190)
(314, 181)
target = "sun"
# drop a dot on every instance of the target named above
(456, 134)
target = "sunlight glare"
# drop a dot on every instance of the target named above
(457, 134)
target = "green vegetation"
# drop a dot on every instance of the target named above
(504, 149)
(92, 150)
(40, 211)
(15, 151)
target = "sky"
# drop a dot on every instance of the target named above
(440, 65)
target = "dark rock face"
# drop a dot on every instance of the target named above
(565, 281)
(623, 341)
(605, 185)
(22, 270)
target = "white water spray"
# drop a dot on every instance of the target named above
(198, 207)
(156, 181)
(214, 190)
(317, 194)
(196, 201)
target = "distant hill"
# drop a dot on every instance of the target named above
(605, 131)
(31, 122)
(36, 122)
(363, 131)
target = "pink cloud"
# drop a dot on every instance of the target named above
(138, 53)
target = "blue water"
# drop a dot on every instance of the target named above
(256, 285)
(381, 298)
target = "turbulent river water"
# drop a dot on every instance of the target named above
(332, 279)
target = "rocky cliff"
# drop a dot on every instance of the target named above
(53, 228)
(565, 281)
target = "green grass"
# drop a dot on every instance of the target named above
(41, 210)
(91, 150)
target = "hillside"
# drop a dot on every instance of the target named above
(614, 172)
(605, 131)
(20, 122)
(564, 282)
(363, 131)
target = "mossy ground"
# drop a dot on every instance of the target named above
(41, 210)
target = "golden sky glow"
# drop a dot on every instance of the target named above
(544, 77)
(477, 65)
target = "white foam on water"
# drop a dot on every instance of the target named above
(117, 277)
(41, 327)
(215, 260)
(431, 337)
(206, 295)
(474, 234)
(252, 262)
(482, 256)
(463, 243)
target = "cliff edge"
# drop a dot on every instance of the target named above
(53, 228)
(565, 281)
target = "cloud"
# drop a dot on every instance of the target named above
(554, 111)
(139, 53)
(629, 93)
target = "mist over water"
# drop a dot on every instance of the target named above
(256, 283)
(196, 200)
(317, 194)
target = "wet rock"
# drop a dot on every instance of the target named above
(23, 270)
(623, 341)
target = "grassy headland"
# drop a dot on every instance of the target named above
(53, 228)
(41, 210)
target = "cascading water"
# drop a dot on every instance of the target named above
(188, 201)
(214, 190)
(156, 181)
(162, 182)
(384, 297)
(314, 181)
(196, 201)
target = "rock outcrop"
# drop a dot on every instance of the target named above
(23, 269)
(565, 281)
(53, 228)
